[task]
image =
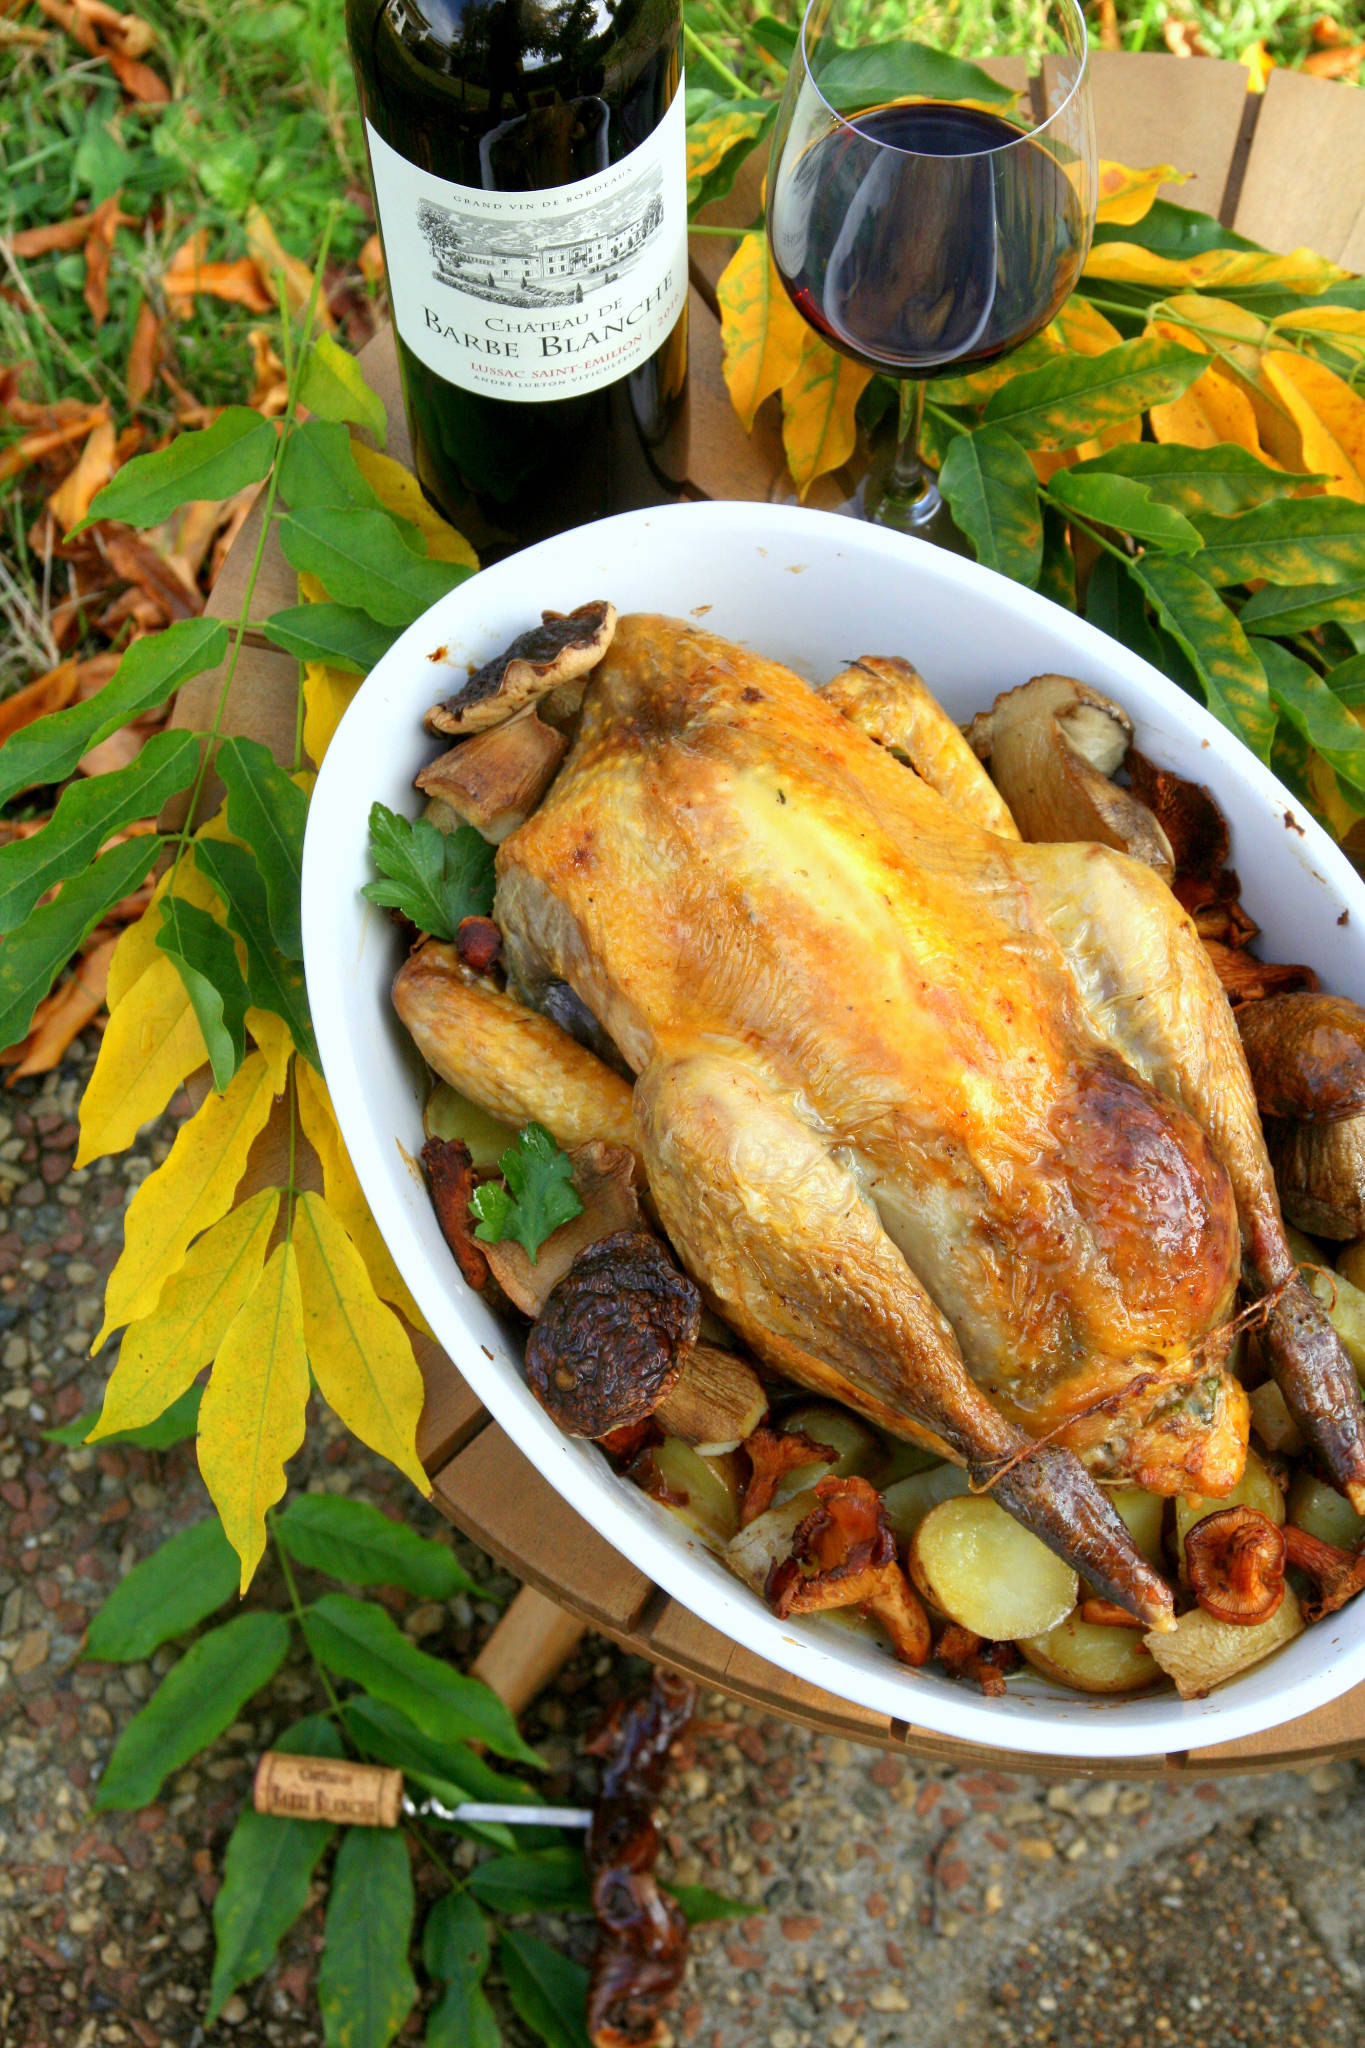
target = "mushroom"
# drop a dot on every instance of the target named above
(561, 650)
(616, 1342)
(1235, 1558)
(1306, 1055)
(1338, 1574)
(843, 1554)
(1246, 979)
(495, 780)
(450, 1173)
(1053, 745)
(964, 1654)
(603, 1178)
(772, 1452)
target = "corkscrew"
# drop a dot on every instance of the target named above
(372, 1796)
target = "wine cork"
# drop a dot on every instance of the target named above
(327, 1788)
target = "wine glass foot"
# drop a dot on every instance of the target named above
(922, 513)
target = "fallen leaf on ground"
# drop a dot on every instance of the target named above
(372, 261)
(72, 498)
(121, 748)
(46, 441)
(1259, 64)
(273, 260)
(63, 1014)
(143, 355)
(270, 387)
(50, 692)
(194, 528)
(134, 558)
(1338, 63)
(104, 222)
(57, 235)
(128, 32)
(236, 282)
(1110, 39)
(235, 510)
(1182, 38)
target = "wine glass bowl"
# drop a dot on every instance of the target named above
(927, 214)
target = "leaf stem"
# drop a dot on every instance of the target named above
(297, 1607)
(735, 234)
(718, 65)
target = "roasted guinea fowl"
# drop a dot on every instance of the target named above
(954, 1128)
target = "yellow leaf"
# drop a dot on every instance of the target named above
(252, 1414)
(274, 1042)
(344, 1193)
(761, 331)
(191, 1190)
(326, 694)
(709, 142)
(1259, 64)
(1214, 269)
(399, 492)
(151, 1044)
(1125, 196)
(1083, 327)
(1214, 409)
(311, 588)
(137, 946)
(1329, 415)
(271, 258)
(1047, 461)
(163, 1353)
(1215, 325)
(1336, 320)
(818, 405)
(1328, 795)
(361, 1358)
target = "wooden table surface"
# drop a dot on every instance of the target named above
(1287, 168)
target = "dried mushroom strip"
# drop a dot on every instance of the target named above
(562, 649)
(843, 1554)
(773, 1452)
(610, 1340)
(1053, 746)
(641, 1933)
(452, 1179)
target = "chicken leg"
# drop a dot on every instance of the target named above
(778, 1230)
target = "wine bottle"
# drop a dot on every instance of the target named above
(528, 162)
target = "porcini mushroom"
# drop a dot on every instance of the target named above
(617, 1342)
(1306, 1055)
(1235, 1558)
(494, 780)
(843, 1554)
(1053, 745)
(562, 649)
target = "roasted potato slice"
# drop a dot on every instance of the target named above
(1091, 1658)
(711, 1485)
(980, 1567)
(1144, 1515)
(1257, 1488)
(768, 1538)
(909, 1500)
(1321, 1511)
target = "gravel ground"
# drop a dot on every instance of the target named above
(893, 1904)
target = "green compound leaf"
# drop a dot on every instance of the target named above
(197, 1699)
(449, 1769)
(317, 467)
(1074, 398)
(539, 1881)
(749, 122)
(1294, 541)
(360, 559)
(1347, 681)
(1223, 480)
(357, 1640)
(338, 634)
(1118, 606)
(235, 451)
(274, 983)
(992, 493)
(89, 812)
(1315, 712)
(269, 1864)
(31, 959)
(455, 1953)
(206, 961)
(267, 810)
(332, 385)
(1225, 661)
(539, 1195)
(179, 1423)
(170, 1591)
(700, 1904)
(1057, 575)
(435, 878)
(1126, 503)
(900, 69)
(152, 670)
(1300, 608)
(365, 1988)
(548, 1991)
(351, 1540)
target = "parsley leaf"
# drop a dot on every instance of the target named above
(538, 1196)
(435, 878)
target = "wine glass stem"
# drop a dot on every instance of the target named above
(909, 478)
(907, 498)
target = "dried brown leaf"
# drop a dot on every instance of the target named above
(372, 261)
(57, 235)
(63, 1014)
(270, 388)
(72, 498)
(144, 355)
(50, 692)
(273, 261)
(44, 441)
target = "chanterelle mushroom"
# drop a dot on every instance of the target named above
(560, 650)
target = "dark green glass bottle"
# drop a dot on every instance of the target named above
(528, 160)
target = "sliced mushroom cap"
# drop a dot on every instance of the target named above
(1306, 1054)
(1235, 1559)
(1053, 745)
(1320, 1174)
(563, 648)
(494, 780)
(612, 1335)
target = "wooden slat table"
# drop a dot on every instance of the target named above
(1287, 168)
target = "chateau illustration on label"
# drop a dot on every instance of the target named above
(511, 263)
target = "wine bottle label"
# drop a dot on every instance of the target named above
(538, 295)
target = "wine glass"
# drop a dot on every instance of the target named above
(924, 217)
